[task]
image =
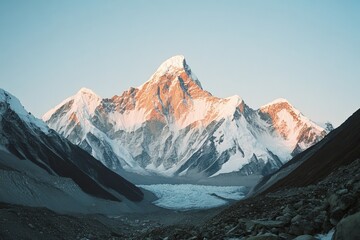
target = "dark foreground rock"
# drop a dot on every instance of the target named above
(22, 222)
(18, 222)
(348, 228)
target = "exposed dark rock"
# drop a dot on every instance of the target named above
(59, 157)
(305, 237)
(266, 236)
(348, 228)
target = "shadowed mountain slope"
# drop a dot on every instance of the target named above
(29, 138)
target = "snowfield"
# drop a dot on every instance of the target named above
(190, 197)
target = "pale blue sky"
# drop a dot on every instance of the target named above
(305, 51)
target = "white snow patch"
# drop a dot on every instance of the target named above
(188, 196)
(129, 120)
(173, 62)
(85, 100)
(84, 105)
(202, 108)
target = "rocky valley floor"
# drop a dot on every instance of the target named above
(22, 222)
(285, 214)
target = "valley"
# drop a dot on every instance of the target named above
(242, 174)
(186, 197)
(179, 120)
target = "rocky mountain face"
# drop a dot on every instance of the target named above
(171, 126)
(24, 138)
(338, 148)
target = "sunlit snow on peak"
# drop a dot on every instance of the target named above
(84, 90)
(276, 101)
(177, 61)
(85, 100)
(173, 66)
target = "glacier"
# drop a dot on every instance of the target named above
(185, 197)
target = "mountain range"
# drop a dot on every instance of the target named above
(37, 165)
(171, 126)
(315, 192)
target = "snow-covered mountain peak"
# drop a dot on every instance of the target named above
(280, 104)
(85, 100)
(177, 61)
(171, 126)
(172, 70)
(85, 91)
(299, 131)
(276, 101)
(7, 101)
(235, 99)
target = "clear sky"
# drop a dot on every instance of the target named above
(305, 51)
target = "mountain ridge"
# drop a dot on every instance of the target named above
(171, 126)
(28, 138)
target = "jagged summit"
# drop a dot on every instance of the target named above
(171, 126)
(84, 100)
(177, 61)
(174, 68)
(85, 90)
(276, 101)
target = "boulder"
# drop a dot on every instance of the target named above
(348, 228)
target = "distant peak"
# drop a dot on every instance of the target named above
(277, 101)
(84, 99)
(87, 95)
(86, 91)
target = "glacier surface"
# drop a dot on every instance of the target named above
(190, 197)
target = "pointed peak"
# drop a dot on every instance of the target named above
(175, 66)
(235, 98)
(84, 99)
(86, 93)
(84, 90)
(277, 101)
(175, 62)
(281, 104)
(86, 96)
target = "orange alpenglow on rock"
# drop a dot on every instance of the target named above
(171, 126)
